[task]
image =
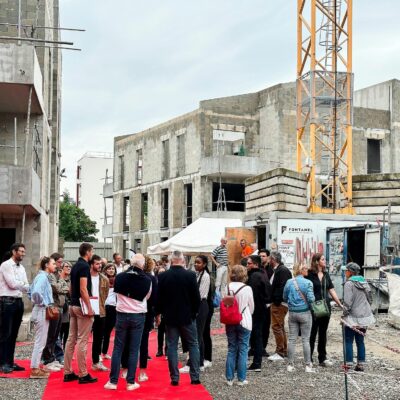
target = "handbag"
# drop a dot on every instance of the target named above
(52, 313)
(320, 308)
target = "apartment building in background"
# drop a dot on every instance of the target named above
(196, 164)
(30, 109)
(94, 170)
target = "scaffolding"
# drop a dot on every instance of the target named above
(325, 103)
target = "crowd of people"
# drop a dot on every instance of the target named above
(95, 297)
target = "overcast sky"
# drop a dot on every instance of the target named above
(146, 61)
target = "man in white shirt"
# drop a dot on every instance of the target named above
(119, 265)
(13, 283)
(133, 289)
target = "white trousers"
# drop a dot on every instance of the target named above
(41, 329)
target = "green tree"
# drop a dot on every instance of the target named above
(75, 225)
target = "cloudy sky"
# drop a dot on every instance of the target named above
(146, 61)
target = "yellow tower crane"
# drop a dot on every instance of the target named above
(325, 103)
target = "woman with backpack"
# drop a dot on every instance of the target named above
(203, 280)
(298, 293)
(238, 334)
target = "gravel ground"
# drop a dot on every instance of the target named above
(380, 381)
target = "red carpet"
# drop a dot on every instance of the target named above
(156, 388)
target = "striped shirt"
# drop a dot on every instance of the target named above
(204, 286)
(220, 254)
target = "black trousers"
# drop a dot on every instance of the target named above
(320, 327)
(111, 316)
(144, 343)
(48, 355)
(160, 336)
(266, 328)
(207, 334)
(200, 324)
(257, 334)
(11, 312)
(98, 330)
(64, 332)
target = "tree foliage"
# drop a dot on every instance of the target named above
(75, 225)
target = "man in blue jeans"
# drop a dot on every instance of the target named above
(178, 300)
(133, 289)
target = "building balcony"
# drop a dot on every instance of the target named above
(108, 190)
(107, 231)
(230, 166)
(19, 186)
(19, 72)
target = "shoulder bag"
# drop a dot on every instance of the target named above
(52, 313)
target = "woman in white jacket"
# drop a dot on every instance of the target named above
(239, 335)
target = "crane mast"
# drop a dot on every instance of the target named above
(324, 104)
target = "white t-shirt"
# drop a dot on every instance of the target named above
(112, 298)
(246, 303)
(95, 286)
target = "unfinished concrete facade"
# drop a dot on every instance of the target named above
(233, 138)
(30, 97)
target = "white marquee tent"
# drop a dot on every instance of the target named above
(202, 236)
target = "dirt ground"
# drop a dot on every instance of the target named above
(381, 379)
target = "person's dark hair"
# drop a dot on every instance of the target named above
(204, 260)
(16, 246)
(266, 251)
(315, 262)
(84, 248)
(164, 258)
(94, 258)
(115, 255)
(256, 260)
(243, 262)
(275, 255)
(107, 266)
(44, 261)
(56, 256)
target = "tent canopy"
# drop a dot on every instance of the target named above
(202, 236)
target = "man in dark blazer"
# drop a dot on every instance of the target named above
(178, 301)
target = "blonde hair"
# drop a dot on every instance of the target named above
(297, 269)
(149, 264)
(238, 273)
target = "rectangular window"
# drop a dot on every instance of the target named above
(165, 159)
(121, 163)
(126, 214)
(188, 211)
(228, 197)
(164, 208)
(373, 156)
(228, 143)
(144, 211)
(180, 155)
(138, 246)
(125, 249)
(139, 166)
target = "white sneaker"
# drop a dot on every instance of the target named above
(326, 363)
(132, 386)
(51, 368)
(229, 383)
(275, 357)
(106, 357)
(242, 383)
(207, 364)
(185, 369)
(143, 377)
(100, 358)
(124, 373)
(290, 368)
(110, 386)
(99, 367)
(310, 369)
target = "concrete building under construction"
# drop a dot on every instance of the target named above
(173, 173)
(30, 94)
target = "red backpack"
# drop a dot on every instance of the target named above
(229, 313)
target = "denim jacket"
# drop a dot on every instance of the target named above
(294, 299)
(40, 292)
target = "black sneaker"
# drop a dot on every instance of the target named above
(359, 368)
(71, 377)
(159, 353)
(253, 368)
(87, 379)
(174, 383)
(195, 382)
(17, 367)
(6, 369)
